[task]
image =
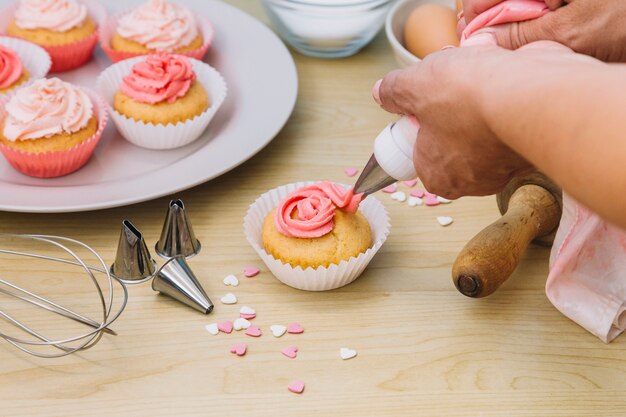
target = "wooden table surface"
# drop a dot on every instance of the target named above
(423, 349)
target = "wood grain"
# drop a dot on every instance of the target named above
(423, 349)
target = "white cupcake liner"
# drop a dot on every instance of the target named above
(34, 58)
(149, 135)
(321, 278)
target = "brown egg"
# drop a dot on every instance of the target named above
(429, 28)
(459, 6)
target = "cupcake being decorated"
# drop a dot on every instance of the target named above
(157, 26)
(50, 127)
(12, 72)
(63, 27)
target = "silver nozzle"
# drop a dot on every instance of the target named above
(175, 279)
(177, 236)
(133, 262)
(372, 179)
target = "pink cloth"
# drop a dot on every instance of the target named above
(587, 280)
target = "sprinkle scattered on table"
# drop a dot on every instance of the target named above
(231, 280)
(229, 298)
(239, 349)
(253, 331)
(295, 328)
(346, 353)
(350, 172)
(296, 386)
(251, 271)
(290, 351)
(444, 220)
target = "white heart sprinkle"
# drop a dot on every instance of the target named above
(443, 200)
(445, 220)
(212, 328)
(241, 324)
(399, 196)
(415, 201)
(247, 310)
(231, 280)
(278, 330)
(346, 353)
(229, 299)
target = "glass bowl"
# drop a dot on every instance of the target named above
(327, 28)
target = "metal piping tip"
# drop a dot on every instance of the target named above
(133, 262)
(175, 279)
(373, 178)
(177, 237)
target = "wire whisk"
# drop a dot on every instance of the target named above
(36, 343)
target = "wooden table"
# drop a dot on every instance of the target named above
(423, 349)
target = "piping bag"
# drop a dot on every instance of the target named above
(587, 280)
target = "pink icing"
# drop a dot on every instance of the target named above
(315, 207)
(10, 67)
(161, 77)
(45, 108)
(159, 25)
(54, 15)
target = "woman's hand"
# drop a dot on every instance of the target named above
(590, 27)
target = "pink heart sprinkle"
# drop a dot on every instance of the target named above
(350, 172)
(295, 328)
(253, 331)
(239, 349)
(247, 316)
(411, 183)
(251, 271)
(431, 200)
(226, 327)
(296, 386)
(290, 352)
(419, 193)
(390, 189)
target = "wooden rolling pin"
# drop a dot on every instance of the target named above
(531, 209)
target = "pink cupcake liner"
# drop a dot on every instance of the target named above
(108, 29)
(72, 55)
(56, 164)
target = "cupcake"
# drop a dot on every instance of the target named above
(64, 28)
(162, 101)
(317, 226)
(157, 26)
(316, 236)
(50, 127)
(12, 72)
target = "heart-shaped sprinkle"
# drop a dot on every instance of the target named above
(443, 200)
(241, 324)
(247, 316)
(231, 280)
(418, 193)
(295, 328)
(239, 349)
(296, 386)
(399, 196)
(415, 201)
(247, 311)
(251, 271)
(278, 330)
(253, 331)
(346, 353)
(290, 352)
(431, 200)
(350, 172)
(229, 299)
(444, 220)
(390, 189)
(212, 328)
(225, 326)
(410, 183)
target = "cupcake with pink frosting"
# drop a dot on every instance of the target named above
(66, 29)
(12, 72)
(316, 236)
(156, 26)
(50, 128)
(162, 101)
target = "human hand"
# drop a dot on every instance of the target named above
(589, 27)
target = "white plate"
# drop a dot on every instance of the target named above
(262, 89)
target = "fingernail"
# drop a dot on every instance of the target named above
(376, 92)
(481, 39)
(448, 47)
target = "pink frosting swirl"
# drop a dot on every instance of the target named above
(161, 77)
(309, 211)
(54, 15)
(45, 108)
(159, 25)
(10, 67)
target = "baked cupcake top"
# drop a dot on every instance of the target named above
(10, 67)
(159, 25)
(52, 15)
(309, 211)
(46, 108)
(161, 77)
